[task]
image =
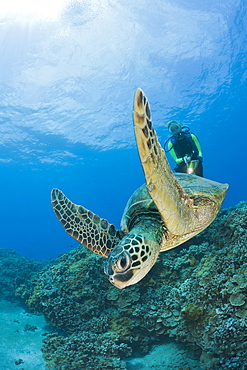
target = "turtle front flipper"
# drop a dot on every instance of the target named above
(93, 232)
(174, 205)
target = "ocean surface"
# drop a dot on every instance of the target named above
(68, 74)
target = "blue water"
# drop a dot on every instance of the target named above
(67, 87)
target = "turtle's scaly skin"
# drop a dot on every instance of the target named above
(129, 256)
(95, 233)
(160, 215)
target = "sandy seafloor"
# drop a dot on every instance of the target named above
(170, 356)
(21, 339)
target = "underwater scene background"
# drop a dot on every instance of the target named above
(68, 77)
(67, 87)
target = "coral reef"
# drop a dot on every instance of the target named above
(16, 273)
(85, 351)
(195, 294)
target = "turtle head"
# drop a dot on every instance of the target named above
(131, 260)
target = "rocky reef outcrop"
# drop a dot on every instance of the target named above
(16, 273)
(195, 294)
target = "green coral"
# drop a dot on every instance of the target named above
(121, 326)
(206, 266)
(192, 313)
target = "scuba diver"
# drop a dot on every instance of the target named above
(185, 149)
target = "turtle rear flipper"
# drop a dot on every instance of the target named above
(93, 232)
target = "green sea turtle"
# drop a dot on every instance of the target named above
(165, 212)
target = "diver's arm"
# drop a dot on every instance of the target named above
(197, 144)
(173, 153)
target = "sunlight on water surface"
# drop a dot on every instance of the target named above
(35, 8)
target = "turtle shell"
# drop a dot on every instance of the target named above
(198, 188)
(139, 203)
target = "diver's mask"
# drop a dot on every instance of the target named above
(174, 128)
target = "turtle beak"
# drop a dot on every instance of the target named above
(119, 279)
(116, 283)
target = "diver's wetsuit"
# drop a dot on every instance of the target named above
(185, 144)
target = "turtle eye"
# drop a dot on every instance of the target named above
(123, 262)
